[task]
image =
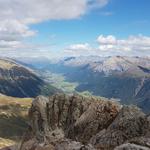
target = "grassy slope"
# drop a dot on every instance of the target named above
(6, 64)
(13, 119)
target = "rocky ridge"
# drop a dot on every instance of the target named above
(63, 122)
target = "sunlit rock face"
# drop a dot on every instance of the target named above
(79, 118)
(63, 122)
(129, 124)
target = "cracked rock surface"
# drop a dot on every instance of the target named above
(62, 122)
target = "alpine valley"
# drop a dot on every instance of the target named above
(126, 79)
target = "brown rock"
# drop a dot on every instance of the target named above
(74, 117)
(129, 123)
(130, 146)
(72, 145)
(47, 147)
(98, 116)
(63, 122)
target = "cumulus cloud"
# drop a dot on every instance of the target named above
(110, 45)
(78, 49)
(17, 15)
(33, 11)
(85, 46)
(13, 30)
(131, 44)
(106, 40)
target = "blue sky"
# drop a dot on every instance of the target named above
(124, 18)
(121, 24)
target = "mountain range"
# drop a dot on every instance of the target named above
(74, 121)
(124, 78)
(19, 81)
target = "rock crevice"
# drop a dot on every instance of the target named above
(75, 123)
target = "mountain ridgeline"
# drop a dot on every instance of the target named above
(19, 81)
(123, 78)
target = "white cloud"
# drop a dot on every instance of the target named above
(17, 15)
(78, 49)
(12, 30)
(12, 33)
(80, 46)
(106, 40)
(9, 44)
(32, 11)
(138, 43)
(110, 45)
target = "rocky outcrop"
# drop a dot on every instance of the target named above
(129, 123)
(76, 117)
(98, 116)
(64, 144)
(129, 146)
(63, 122)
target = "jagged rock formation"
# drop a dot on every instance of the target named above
(63, 122)
(129, 123)
(75, 116)
(129, 146)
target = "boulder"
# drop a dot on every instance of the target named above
(73, 117)
(131, 122)
(62, 122)
(130, 146)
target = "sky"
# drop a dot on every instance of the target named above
(61, 28)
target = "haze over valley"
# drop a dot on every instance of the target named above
(100, 76)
